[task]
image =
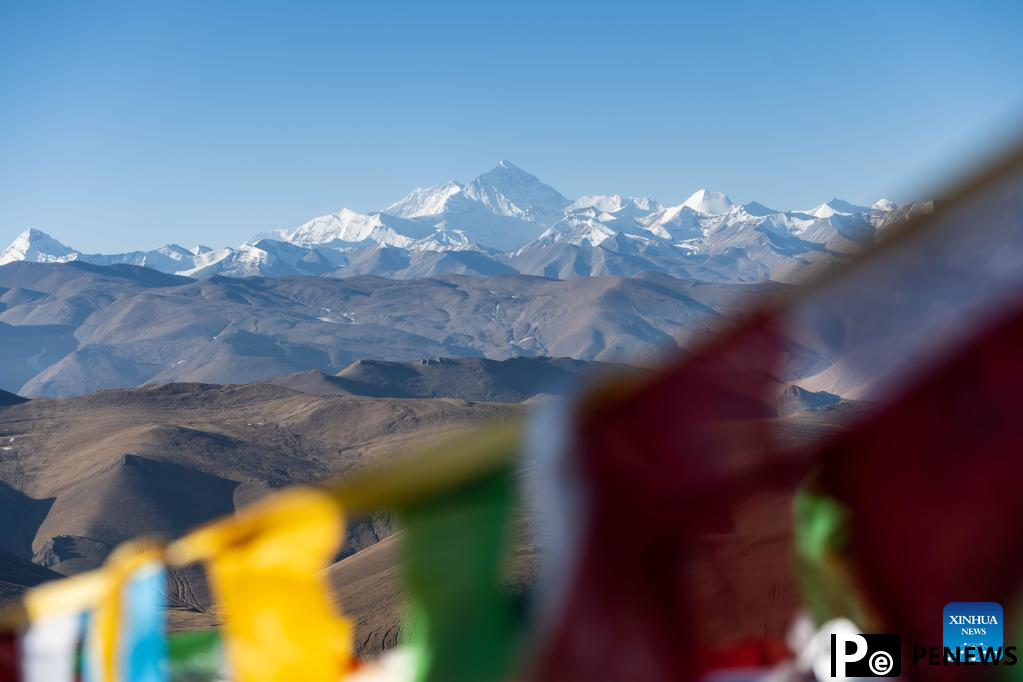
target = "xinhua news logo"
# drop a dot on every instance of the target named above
(971, 635)
(865, 655)
(973, 626)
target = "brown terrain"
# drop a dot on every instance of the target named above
(79, 475)
(73, 328)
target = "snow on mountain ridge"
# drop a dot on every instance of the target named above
(350, 227)
(35, 245)
(589, 232)
(424, 201)
(675, 223)
(502, 208)
(709, 203)
(612, 203)
(507, 220)
(755, 208)
(446, 240)
(836, 206)
(508, 190)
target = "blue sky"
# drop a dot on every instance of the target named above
(125, 125)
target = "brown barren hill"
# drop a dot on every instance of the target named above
(80, 475)
(480, 379)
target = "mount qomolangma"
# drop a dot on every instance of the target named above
(507, 221)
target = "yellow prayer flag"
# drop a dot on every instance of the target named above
(265, 567)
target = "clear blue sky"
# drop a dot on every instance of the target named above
(124, 125)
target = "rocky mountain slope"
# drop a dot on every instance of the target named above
(80, 475)
(72, 328)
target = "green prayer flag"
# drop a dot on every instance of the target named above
(461, 622)
(197, 656)
(821, 543)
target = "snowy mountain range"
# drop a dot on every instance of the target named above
(507, 221)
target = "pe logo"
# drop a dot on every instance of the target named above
(974, 627)
(854, 655)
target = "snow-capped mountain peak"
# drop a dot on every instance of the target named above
(836, 206)
(423, 201)
(755, 208)
(445, 240)
(675, 223)
(506, 220)
(583, 232)
(37, 246)
(612, 203)
(508, 190)
(709, 203)
(351, 227)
